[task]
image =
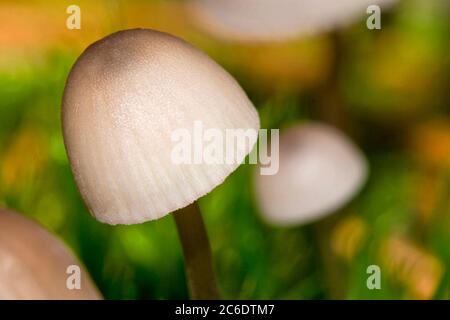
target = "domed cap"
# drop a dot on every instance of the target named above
(320, 169)
(266, 20)
(125, 97)
(34, 264)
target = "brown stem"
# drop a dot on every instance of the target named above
(197, 253)
(331, 109)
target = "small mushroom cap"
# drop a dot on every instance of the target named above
(268, 20)
(320, 170)
(124, 98)
(34, 264)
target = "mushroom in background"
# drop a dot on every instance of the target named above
(320, 170)
(276, 20)
(34, 264)
(124, 98)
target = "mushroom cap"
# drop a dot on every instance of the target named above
(320, 170)
(124, 98)
(33, 263)
(268, 20)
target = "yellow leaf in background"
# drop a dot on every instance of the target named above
(430, 143)
(428, 188)
(419, 271)
(348, 237)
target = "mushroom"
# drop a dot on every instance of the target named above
(320, 170)
(268, 20)
(36, 265)
(124, 98)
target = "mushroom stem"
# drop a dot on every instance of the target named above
(197, 253)
(331, 109)
(330, 106)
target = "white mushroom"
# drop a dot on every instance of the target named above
(320, 170)
(125, 97)
(267, 20)
(35, 265)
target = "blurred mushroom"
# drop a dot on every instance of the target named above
(34, 264)
(268, 20)
(320, 170)
(124, 98)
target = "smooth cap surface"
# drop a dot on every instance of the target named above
(34, 264)
(268, 20)
(320, 170)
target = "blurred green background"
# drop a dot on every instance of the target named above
(394, 84)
